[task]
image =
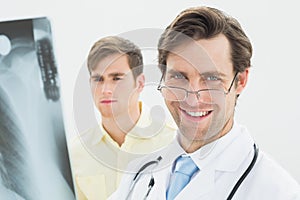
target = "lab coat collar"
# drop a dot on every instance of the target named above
(226, 153)
(207, 155)
(200, 185)
(204, 179)
(236, 151)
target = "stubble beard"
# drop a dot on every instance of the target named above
(194, 135)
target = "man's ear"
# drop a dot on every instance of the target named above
(242, 81)
(140, 82)
(90, 82)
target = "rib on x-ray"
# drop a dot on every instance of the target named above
(34, 161)
(14, 162)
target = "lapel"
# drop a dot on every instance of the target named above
(161, 182)
(236, 152)
(202, 184)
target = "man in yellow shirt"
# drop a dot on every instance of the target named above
(127, 130)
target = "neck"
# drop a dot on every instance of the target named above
(118, 127)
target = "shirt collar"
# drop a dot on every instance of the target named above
(97, 134)
(140, 129)
(225, 153)
(148, 124)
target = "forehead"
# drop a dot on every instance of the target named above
(114, 63)
(202, 56)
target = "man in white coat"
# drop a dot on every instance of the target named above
(204, 56)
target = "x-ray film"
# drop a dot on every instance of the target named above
(34, 161)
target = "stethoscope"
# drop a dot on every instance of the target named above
(154, 163)
(138, 175)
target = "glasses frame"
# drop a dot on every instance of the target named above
(197, 93)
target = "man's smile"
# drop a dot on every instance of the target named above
(195, 115)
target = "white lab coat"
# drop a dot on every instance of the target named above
(221, 169)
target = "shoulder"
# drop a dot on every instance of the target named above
(155, 124)
(268, 166)
(273, 179)
(79, 145)
(86, 137)
(75, 141)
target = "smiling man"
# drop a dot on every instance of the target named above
(201, 93)
(128, 129)
(204, 56)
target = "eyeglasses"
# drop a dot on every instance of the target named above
(208, 96)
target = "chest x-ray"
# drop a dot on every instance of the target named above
(34, 162)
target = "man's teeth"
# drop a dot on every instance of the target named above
(197, 114)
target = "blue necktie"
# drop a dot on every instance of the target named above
(184, 170)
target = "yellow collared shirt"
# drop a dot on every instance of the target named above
(98, 162)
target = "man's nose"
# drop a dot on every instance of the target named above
(106, 88)
(193, 97)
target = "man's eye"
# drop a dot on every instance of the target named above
(177, 76)
(98, 79)
(117, 78)
(212, 78)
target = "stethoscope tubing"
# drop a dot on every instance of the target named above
(245, 174)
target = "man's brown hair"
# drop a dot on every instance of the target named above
(116, 45)
(205, 23)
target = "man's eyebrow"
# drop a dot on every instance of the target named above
(174, 72)
(116, 74)
(204, 74)
(213, 73)
(96, 76)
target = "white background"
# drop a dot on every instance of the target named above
(269, 107)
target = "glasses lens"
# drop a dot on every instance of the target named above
(205, 96)
(210, 96)
(173, 94)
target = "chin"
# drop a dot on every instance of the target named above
(106, 113)
(194, 133)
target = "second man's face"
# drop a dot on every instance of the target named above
(113, 86)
